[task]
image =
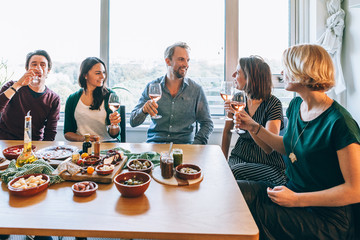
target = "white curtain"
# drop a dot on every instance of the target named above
(331, 40)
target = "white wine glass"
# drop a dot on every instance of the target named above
(238, 103)
(114, 105)
(226, 94)
(155, 95)
(38, 73)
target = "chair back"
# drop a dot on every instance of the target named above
(356, 212)
(123, 124)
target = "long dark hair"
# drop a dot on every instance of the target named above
(99, 92)
(258, 77)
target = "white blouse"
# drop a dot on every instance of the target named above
(91, 121)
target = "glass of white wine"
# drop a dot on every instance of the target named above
(226, 94)
(238, 103)
(38, 74)
(155, 95)
(114, 105)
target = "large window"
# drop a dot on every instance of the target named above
(68, 30)
(138, 32)
(264, 30)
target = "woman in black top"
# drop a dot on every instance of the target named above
(251, 158)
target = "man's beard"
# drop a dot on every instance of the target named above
(178, 74)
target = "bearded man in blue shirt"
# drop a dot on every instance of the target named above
(182, 104)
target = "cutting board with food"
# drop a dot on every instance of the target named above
(101, 170)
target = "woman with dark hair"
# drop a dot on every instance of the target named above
(252, 158)
(322, 142)
(87, 110)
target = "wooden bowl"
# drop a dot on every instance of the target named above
(103, 172)
(14, 151)
(31, 190)
(132, 190)
(91, 160)
(142, 161)
(76, 187)
(188, 176)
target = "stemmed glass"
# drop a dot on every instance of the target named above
(226, 94)
(238, 103)
(155, 95)
(114, 105)
(38, 73)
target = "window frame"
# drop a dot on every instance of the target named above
(299, 32)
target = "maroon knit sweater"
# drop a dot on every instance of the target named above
(45, 112)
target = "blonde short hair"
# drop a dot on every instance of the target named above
(310, 65)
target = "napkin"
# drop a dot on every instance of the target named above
(39, 166)
(154, 157)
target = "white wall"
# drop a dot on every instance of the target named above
(351, 59)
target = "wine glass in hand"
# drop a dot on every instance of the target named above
(155, 95)
(36, 78)
(226, 94)
(238, 103)
(114, 105)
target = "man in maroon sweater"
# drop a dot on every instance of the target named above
(30, 93)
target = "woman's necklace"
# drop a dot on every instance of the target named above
(292, 155)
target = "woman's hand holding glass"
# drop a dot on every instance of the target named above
(114, 105)
(243, 120)
(238, 103)
(226, 91)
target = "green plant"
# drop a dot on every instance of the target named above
(4, 75)
(121, 88)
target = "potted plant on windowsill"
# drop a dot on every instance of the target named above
(4, 74)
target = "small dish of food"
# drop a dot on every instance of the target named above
(141, 165)
(104, 169)
(14, 151)
(132, 184)
(91, 160)
(84, 189)
(29, 185)
(188, 171)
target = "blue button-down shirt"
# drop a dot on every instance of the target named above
(179, 114)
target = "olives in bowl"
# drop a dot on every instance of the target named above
(188, 171)
(132, 184)
(141, 165)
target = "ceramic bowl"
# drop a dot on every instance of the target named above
(91, 160)
(31, 190)
(103, 172)
(14, 151)
(132, 190)
(188, 176)
(131, 166)
(84, 189)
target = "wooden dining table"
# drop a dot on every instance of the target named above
(211, 209)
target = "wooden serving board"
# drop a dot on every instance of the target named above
(174, 181)
(95, 177)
